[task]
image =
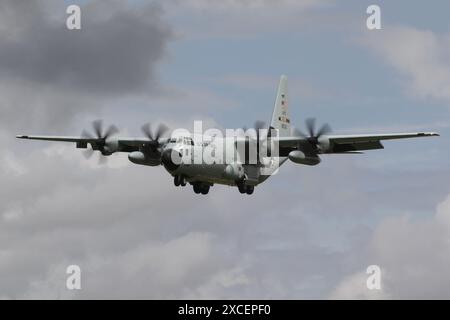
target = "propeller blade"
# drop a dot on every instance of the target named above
(311, 126)
(325, 129)
(112, 129)
(88, 153)
(299, 133)
(98, 128)
(162, 129)
(251, 132)
(260, 125)
(147, 130)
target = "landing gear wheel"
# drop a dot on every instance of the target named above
(182, 181)
(250, 189)
(241, 188)
(176, 181)
(201, 188)
(196, 187)
(205, 189)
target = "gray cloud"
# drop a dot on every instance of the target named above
(113, 54)
(48, 70)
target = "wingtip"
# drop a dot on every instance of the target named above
(19, 136)
(428, 134)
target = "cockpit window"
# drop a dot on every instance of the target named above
(189, 141)
(182, 140)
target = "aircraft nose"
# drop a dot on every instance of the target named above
(171, 159)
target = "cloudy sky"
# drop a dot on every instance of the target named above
(309, 232)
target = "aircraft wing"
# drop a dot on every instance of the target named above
(354, 142)
(125, 142)
(58, 138)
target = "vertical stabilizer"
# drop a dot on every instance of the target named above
(280, 116)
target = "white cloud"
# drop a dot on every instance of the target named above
(354, 287)
(413, 254)
(421, 56)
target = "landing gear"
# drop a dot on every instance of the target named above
(243, 188)
(205, 189)
(179, 181)
(201, 188)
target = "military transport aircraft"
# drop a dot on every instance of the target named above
(249, 165)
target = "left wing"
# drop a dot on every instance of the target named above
(125, 144)
(353, 142)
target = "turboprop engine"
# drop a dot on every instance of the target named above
(101, 141)
(299, 157)
(150, 154)
(139, 157)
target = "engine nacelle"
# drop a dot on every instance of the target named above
(139, 157)
(234, 171)
(111, 146)
(324, 144)
(299, 157)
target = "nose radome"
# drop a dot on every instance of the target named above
(171, 159)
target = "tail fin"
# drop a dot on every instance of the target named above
(280, 116)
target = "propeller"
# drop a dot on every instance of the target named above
(313, 137)
(258, 125)
(99, 139)
(154, 136)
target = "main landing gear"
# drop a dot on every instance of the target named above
(243, 188)
(201, 188)
(179, 181)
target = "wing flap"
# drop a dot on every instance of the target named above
(354, 138)
(357, 146)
